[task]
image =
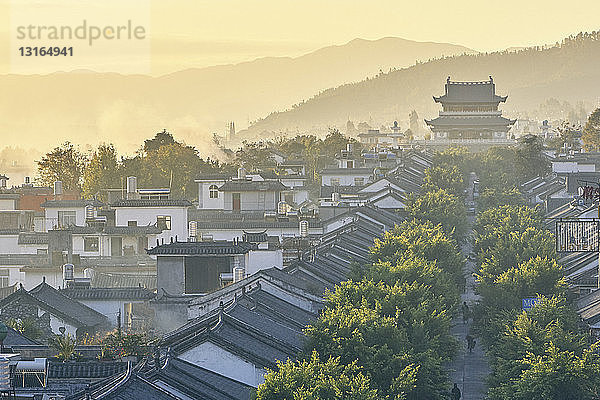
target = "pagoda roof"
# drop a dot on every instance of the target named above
(470, 92)
(470, 121)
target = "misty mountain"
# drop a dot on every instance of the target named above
(87, 107)
(568, 72)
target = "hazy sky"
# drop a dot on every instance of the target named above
(187, 33)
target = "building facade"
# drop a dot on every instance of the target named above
(470, 113)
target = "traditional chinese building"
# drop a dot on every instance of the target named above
(470, 113)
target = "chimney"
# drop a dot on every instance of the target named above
(131, 187)
(58, 189)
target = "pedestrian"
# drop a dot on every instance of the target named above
(465, 312)
(470, 343)
(456, 392)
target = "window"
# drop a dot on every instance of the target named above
(213, 192)
(90, 243)
(335, 181)
(66, 218)
(131, 223)
(4, 278)
(359, 181)
(142, 244)
(349, 164)
(164, 222)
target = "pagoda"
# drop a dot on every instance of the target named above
(470, 111)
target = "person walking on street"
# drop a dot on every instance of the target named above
(470, 343)
(455, 392)
(466, 313)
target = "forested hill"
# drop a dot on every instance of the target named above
(92, 107)
(567, 71)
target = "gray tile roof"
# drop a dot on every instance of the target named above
(15, 338)
(199, 248)
(151, 203)
(57, 303)
(117, 280)
(33, 238)
(470, 92)
(109, 293)
(198, 382)
(128, 385)
(253, 186)
(85, 369)
(476, 121)
(70, 203)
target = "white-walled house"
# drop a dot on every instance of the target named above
(346, 176)
(170, 216)
(67, 213)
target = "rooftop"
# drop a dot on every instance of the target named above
(202, 248)
(470, 92)
(252, 186)
(151, 203)
(70, 203)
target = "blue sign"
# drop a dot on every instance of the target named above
(529, 302)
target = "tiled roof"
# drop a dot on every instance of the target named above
(116, 230)
(15, 338)
(347, 171)
(447, 120)
(109, 293)
(152, 203)
(195, 248)
(252, 186)
(470, 92)
(65, 307)
(128, 385)
(70, 203)
(117, 280)
(198, 382)
(85, 369)
(33, 238)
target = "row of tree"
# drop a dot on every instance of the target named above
(163, 162)
(542, 352)
(386, 332)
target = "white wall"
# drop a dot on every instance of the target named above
(7, 204)
(230, 234)
(214, 358)
(56, 323)
(9, 244)
(51, 215)
(345, 180)
(263, 259)
(204, 200)
(147, 216)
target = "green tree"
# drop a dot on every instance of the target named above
(448, 178)
(440, 207)
(311, 379)
(101, 171)
(420, 239)
(536, 276)
(530, 161)
(389, 330)
(591, 132)
(64, 345)
(64, 163)
(491, 197)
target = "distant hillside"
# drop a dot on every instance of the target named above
(88, 107)
(569, 71)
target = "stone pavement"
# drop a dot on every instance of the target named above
(468, 370)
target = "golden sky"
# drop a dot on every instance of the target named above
(198, 33)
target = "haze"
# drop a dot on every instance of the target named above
(201, 33)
